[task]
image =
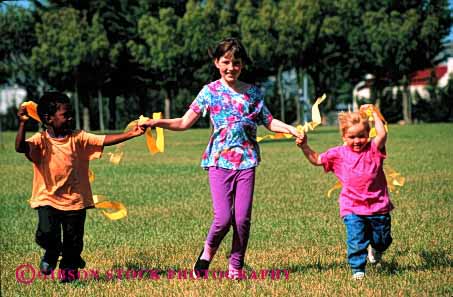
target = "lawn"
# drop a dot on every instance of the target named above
(295, 227)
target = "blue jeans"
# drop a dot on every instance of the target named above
(362, 231)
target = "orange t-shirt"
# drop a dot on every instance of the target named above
(60, 167)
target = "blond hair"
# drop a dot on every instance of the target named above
(348, 119)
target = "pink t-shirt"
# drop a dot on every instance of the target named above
(364, 189)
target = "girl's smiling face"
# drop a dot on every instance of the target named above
(229, 68)
(356, 137)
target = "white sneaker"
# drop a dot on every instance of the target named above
(234, 274)
(358, 275)
(374, 257)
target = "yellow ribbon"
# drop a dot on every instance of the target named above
(369, 113)
(336, 186)
(309, 126)
(154, 145)
(119, 211)
(32, 110)
(394, 178)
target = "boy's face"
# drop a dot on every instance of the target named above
(61, 121)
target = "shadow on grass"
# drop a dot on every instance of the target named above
(313, 267)
(131, 271)
(431, 260)
(436, 259)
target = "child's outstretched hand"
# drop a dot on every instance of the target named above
(296, 133)
(150, 123)
(300, 142)
(137, 130)
(22, 114)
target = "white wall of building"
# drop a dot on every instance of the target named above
(11, 96)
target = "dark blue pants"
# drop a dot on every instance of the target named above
(362, 231)
(48, 235)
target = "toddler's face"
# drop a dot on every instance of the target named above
(356, 137)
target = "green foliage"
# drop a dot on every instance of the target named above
(66, 42)
(294, 225)
(133, 48)
(18, 39)
(393, 38)
(161, 51)
(401, 38)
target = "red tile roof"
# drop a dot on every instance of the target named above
(422, 77)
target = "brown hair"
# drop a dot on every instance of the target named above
(349, 119)
(232, 45)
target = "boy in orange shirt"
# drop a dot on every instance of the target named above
(61, 188)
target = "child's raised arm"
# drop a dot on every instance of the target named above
(381, 133)
(21, 144)
(310, 154)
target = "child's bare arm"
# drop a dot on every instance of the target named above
(21, 144)
(118, 138)
(381, 133)
(310, 154)
(177, 124)
(280, 127)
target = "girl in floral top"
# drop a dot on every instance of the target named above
(235, 108)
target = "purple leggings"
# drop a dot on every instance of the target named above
(232, 197)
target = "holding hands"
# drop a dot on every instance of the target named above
(301, 142)
(137, 130)
(148, 123)
(300, 135)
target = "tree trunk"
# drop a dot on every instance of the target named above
(112, 112)
(101, 111)
(86, 118)
(280, 93)
(76, 106)
(305, 117)
(167, 104)
(378, 98)
(297, 97)
(407, 106)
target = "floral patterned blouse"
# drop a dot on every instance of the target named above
(234, 116)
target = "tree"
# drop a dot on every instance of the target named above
(68, 48)
(397, 39)
(17, 27)
(160, 51)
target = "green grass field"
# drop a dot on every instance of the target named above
(294, 225)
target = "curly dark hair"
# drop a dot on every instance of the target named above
(49, 103)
